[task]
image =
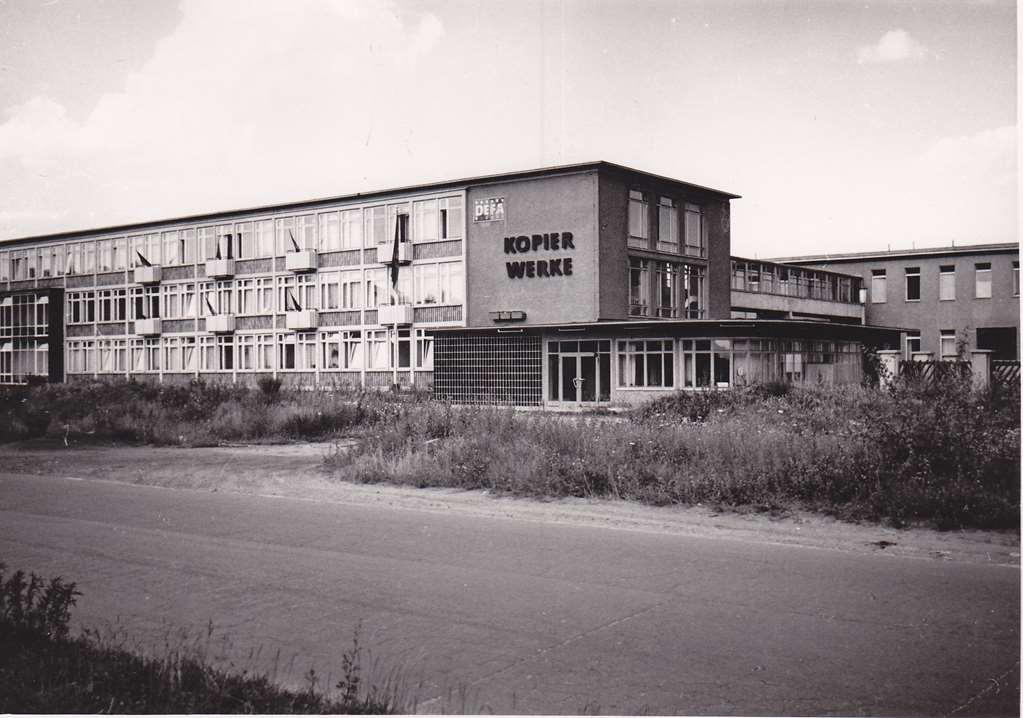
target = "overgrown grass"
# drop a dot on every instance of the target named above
(948, 457)
(197, 414)
(43, 670)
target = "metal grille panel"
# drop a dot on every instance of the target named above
(489, 370)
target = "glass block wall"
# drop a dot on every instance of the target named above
(505, 370)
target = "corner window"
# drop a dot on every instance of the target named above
(982, 280)
(912, 284)
(639, 230)
(947, 283)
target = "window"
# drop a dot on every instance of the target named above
(878, 286)
(376, 287)
(342, 350)
(216, 298)
(81, 308)
(439, 283)
(639, 231)
(187, 245)
(667, 225)
(376, 226)
(376, 349)
(172, 248)
(948, 345)
(707, 363)
(145, 302)
(330, 232)
(451, 217)
(246, 351)
(246, 296)
(404, 348)
(696, 231)
(424, 350)
(179, 354)
(1000, 340)
(647, 363)
(264, 238)
(227, 243)
(397, 222)
(1015, 278)
(678, 290)
(947, 282)
(111, 305)
(912, 344)
(207, 238)
(286, 241)
(983, 280)
(912, 284)
(639, 287)
(341, 290)
(424, 220)
(305, 231)
(5, 267)
(245, 242)
(265, 294)
(351, 229)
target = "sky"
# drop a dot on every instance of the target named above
(845, 126)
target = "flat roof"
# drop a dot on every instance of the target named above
(993, 248)
(312, 203)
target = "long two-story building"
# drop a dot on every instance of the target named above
(568, 286)
(950, 300)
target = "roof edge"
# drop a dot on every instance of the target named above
(516, 175)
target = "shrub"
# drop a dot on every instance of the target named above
(34, 605)
(950, 458)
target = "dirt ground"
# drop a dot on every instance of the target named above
(297, 471)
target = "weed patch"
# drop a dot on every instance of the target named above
(949, 458)
(43, 670)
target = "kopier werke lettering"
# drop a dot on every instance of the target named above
(549, 241)
(561, 267)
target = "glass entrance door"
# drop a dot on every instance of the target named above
(578, 373)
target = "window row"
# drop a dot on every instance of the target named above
(946, 282)
(435, 283)
(431, 220)
(666, 289)
(308, 351)
(681, 228)
(708, 363)
(767, 278)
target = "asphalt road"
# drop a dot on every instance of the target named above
(520, 616)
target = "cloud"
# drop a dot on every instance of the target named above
(894, 46)
(965, 188)
(244, 101)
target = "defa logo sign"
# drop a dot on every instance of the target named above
(547, 242)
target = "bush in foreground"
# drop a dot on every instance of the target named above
(950, 457)
(42, 670)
